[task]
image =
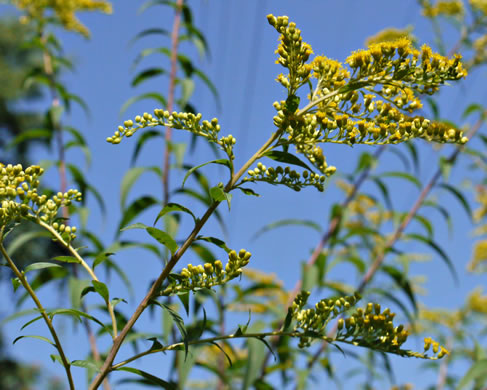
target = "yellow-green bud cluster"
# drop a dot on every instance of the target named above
(387, 126)
(19, 198)
(179, 121)
(193, 278)
(372, 328)
(287, 176)
(316, 319)
(293, 53)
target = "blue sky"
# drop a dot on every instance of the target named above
(242, 67)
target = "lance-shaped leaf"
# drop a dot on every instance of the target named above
(287, 158)
(164, 238)
(174, 207)
(222, 161)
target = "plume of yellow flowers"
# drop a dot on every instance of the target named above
(64, 11)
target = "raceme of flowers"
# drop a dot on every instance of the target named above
(369, 102)
(367, 327)
(180, 121)
(193, 278)
(19, 199)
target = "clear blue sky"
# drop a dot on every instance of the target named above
(242, 67)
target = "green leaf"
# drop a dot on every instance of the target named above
(141, 141)
(129, 179)
(151, 378)
(40, 265)
(210, 86)
(163, 238)
(161, 100)
(222, 161)
(224, 353)
(403, 175)
(22, 239)
(137, 225)
(85, 364)
(401, 280)
(477, 372)
(218, 195)
(178, 321)
(437, 249)
(248, 191)
(34, 337)
(474, 107)
(215, 241)
(287, 158)
(136, 207)
(67, 259)
(31, 322)
(288, 222)
(149, 31)
(32, 134)
(187, 86)
(459, 196)
(102, 289)
(146, 75)
(170, 207)
(99, 259)
(77, 314)
(84, 186)
(56, 358)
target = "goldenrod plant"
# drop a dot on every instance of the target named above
(375, 97)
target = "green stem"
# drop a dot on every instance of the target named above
(88, 269)
(210, 340)
(44, 315)
(154, 290)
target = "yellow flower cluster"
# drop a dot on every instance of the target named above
(19, 199)
(208, 275)
(369, 327)
(437, 349)
(481, 5)
(479, 257)
(477, 302)
(293, 53)
(391, 34)
(443, 8)
(370, 102)
(480, 46)
(449, 319)
(64, 10)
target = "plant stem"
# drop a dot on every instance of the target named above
(44, 315)
(210, 340)
(154, 290)
(86, 267)
(170, 98)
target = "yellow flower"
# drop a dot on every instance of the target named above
(64, 11)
